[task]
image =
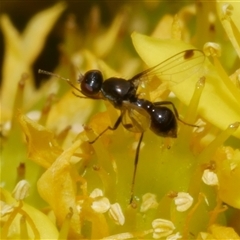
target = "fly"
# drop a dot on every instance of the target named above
(139, 114)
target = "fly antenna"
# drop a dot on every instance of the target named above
(58, 76)
(53, 75)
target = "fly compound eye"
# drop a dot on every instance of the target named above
(91, 82)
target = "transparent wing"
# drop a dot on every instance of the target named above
(135, 119)
(174, 69)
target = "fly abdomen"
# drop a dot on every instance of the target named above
(164, 122)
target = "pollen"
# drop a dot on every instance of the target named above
(212, 49)
(101, 205)
(183, 201)
(120, 236)
(21, 191)
(96, 193)
(174, 236)
(135, 144)
(5, 208)
(210, 178)
(227, 10)
(116, 214)
(162, 228)
(149, 201)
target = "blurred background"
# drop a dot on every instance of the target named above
(89, 16)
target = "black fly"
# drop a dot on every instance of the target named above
(138, 114)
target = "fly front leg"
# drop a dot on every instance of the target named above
(175, 111)
(115, 126)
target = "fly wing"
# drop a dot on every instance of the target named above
(174, 69)
(135, 119)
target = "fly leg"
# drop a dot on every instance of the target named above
(175, 111)
(135, 167)
(115, 126)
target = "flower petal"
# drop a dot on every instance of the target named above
(57, 186)
(222, 232)
(229, 180)
(42, 146)
(228, 12)
(43, 225)
(21, 51)
(37, 30)
(217, 104)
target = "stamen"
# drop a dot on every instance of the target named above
(149, 201)
(227, 10)
(46, 109)
(115, 212)
(19, 95)
(120, 236)
(174, 236)
(101, 205)
(63, 234)
(183, 201)
(21, 191)
(208, 152)
(5, 209)
(162, 228)
(191, 114)
(23, 228)
(210, 178)
(230, 26)
(96, 193)
(212, 49)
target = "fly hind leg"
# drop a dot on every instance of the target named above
(175, 112)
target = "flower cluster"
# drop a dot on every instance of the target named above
(66, 188)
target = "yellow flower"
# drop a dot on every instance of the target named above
(66, 188)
